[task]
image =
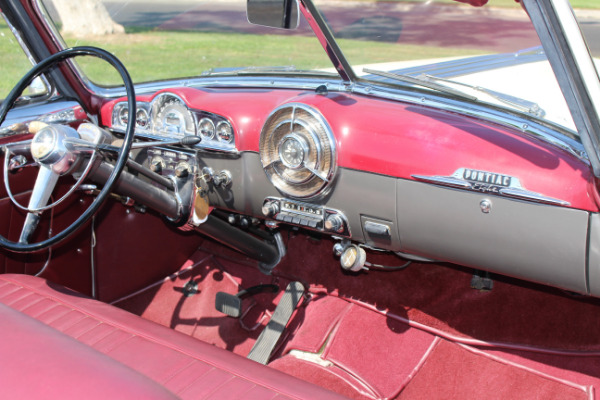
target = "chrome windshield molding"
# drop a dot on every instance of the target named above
(546, 131)
(232, 81)
(569, 56)
(472, 65)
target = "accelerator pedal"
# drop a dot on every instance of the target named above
(231, 304)
(262, 349)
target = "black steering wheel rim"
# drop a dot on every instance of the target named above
(121, 158)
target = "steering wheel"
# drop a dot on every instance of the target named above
(55, 147)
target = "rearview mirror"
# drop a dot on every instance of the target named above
(274, 13)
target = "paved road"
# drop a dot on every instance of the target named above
(497, 30)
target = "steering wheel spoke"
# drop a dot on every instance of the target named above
(42, 190)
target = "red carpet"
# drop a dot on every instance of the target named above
(452, 372)
(366, 353)
(439, 295)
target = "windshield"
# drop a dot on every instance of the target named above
(491, 53)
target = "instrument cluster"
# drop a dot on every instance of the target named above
(168, 117)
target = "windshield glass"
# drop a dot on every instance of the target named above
(491, 53)
(169, 39)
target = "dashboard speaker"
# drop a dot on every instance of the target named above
(297, 151)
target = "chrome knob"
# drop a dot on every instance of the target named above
(353, 258)
(334, 223)
(270, 208)
(156, 167)
(182, 171)
(157, 164)
(222, 179)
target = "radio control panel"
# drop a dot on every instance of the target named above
(306, 215)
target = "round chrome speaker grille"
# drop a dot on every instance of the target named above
(297, 151)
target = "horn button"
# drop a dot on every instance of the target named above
(50, 148)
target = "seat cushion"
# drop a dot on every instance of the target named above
(186, 367)
(63, 367)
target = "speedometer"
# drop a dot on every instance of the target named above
(171, 117)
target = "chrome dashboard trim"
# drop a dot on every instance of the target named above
(510, 187)
(325, 212)
(215, 144)
(527, 195)
(36, 112)
(314, 112)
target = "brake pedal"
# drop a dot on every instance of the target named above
(262, 349)
(231, 304)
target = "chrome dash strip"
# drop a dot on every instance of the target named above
(444, 181)
(514, 190)
(527, 195)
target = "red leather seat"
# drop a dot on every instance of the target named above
(64, 345)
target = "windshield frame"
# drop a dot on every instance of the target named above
(570, 58)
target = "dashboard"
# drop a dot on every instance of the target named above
(377, 172)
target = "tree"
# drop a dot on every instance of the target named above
(85, 18)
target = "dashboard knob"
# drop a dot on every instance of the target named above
(353, 258)
(182, 171)
(157, 164)
(270, 208)
(156, 167)
(223, 179)
(334, 223)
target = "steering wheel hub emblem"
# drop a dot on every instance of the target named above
(49, 147)
(43, 143)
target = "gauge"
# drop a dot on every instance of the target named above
(207, 128)
(172, 117)
(292, 151)
(141, 118)
(225, 132)
(124, 116)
